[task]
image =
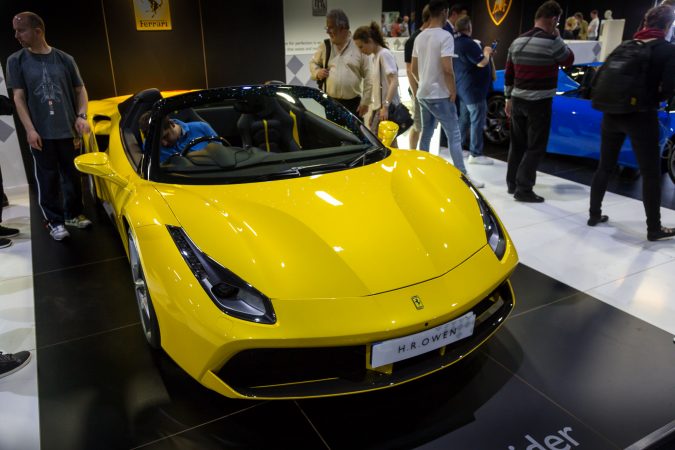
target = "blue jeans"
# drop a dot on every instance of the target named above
(442, 110)
(473, 117)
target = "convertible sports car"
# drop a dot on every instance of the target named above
(295, 255)
(575, 126)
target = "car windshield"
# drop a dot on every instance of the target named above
(254, 133)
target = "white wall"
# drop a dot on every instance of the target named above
(13, 173)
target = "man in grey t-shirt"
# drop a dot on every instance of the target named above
(51, 102)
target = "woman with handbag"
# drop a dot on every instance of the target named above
(384, 73)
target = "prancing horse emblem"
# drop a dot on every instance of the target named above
(417, 302)
(498, 10)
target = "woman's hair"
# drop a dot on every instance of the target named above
(370, 33)
(660, 17)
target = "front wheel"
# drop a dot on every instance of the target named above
(496, 123)
(670, 158)
(145, 308)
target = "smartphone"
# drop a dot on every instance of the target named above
(494, 44)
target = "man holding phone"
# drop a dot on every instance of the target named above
(473, 73)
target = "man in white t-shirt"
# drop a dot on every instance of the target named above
(432, 67)
(594, 26)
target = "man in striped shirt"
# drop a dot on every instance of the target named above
(530, 82)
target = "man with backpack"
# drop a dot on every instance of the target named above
(628, 89)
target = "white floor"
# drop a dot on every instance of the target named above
(613, 262)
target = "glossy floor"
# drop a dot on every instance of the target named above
(586, 360)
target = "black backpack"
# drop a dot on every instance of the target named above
(620, 85)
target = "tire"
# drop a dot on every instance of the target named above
(145, 309)
(496, 123)
(669, 153)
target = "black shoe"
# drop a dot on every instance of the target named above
(528, 197)
(8, 232)
(594, 220)
(5, 242)
(10, 363)
(663, 233)
(511, 189)
(5, 200)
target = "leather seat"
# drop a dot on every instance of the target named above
(266, 125)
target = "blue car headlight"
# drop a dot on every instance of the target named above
(493, 231)
(230, 293)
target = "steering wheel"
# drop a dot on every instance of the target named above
(201, 139)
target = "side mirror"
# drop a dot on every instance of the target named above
(97, 164)
(387, 131)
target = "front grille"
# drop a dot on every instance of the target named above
(306, 372)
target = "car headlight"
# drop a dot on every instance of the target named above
(230, 293)
(493, 231)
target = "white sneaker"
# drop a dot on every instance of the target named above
(484, 160)
(80, 221)
(58, 232)
(476, 183)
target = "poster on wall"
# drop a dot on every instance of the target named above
(152, 15)
(319, 7)
(498, 10)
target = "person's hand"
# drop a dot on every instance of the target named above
(34, 140)
(322, 74)
(362, 110)
(384, 113)
(453, 97)
(487, 51)
(507, 108)
(82, 126)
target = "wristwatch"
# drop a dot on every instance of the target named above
(386, 103)
(82, 116)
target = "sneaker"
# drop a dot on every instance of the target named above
(476, 183)
(5, 243)
(528, 197)
(11, 362)
(662, 233)
(8, 232)
(80, 221)
(484, 160)
(465, 154)
(58, 232)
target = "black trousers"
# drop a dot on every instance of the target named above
(59, 185)
(643, 130)
(351, 104)
(530, 127)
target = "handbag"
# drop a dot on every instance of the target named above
(400, 115)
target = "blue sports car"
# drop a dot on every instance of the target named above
(575, 126)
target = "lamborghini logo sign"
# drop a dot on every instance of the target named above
(417, 302)
(498, 10)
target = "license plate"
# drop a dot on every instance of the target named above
(394, 350)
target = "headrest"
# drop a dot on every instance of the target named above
(258, 104)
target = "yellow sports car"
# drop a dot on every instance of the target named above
(279, 250)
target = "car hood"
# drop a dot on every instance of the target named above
(404, 220)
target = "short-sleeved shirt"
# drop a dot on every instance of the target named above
(384, 64)
(430, 46)
(48, 82)
(473, 82)
(190, 131)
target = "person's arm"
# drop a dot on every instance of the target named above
(82, 100)
(509, 79)
(34, 139)
(316, 69)
(449, 76)
(487, 54)
(367, 96)
(411, 78)
(392, 80)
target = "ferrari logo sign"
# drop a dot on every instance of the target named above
(417, 302)
(152, 15)
(498, 10)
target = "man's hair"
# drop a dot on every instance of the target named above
(436, 7)
(579, 15)
(660, 17)
(595, 11)
(426, 15)
(457, 8)
(463, 24)
(668, 3)
(144, 123)
(34, 21)
(548, 9)
(339, 17)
